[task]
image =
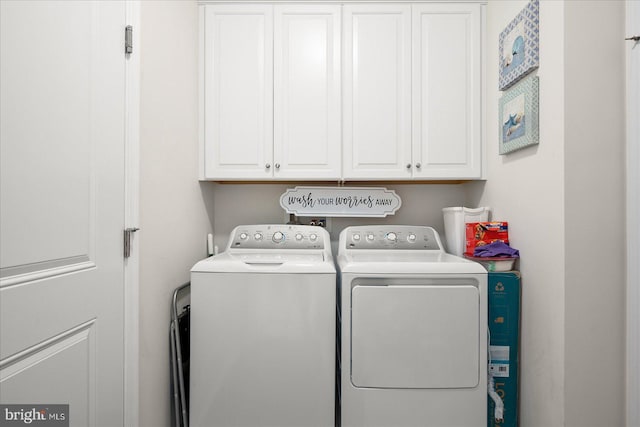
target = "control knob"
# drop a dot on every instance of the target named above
(392, 237)
(278, 237)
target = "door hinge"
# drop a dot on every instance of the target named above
(128, 39)
(127, 240)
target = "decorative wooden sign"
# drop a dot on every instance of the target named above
(375, 202)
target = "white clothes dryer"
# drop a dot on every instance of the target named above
(414, 330)
(263, 330)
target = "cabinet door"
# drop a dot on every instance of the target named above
(447, 90)
(238, 91)
(377, 91)
(307, 114)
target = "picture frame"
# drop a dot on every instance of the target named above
(518, 116)
(519, 46)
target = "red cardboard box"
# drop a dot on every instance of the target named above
(483, 233)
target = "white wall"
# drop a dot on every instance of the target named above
(594, 163)
(572, 351)
(260, 203)
(526, 189)
(173, 205)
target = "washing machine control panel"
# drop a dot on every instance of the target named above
(278, 237)
(392, 237)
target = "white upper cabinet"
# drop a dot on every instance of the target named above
(307, 119)
(272, 92)
(446, 91)
(377, 91)
(237, 49)
(412, 91)
(352, 91)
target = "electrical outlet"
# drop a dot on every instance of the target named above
(319, 221)
(324, 222)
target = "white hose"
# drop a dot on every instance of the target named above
(498, 414)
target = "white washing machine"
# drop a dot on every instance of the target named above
(414, 331)
(263, 330)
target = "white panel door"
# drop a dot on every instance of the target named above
(238, 91)
(633, 212)
(446, 90)
(377, 91)
(62, 91)
(307, 124)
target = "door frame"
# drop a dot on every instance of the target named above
(633, 219)
(131, 215)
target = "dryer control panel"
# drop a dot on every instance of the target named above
(392, 237)
(278, 236)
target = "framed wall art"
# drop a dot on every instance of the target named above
(519, 116)
(519, 48)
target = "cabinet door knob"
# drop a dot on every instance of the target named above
(277, 165)
(408, 165)
(418, 165)
(267, 166)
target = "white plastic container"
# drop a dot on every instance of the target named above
(496, 264)
(455, 219)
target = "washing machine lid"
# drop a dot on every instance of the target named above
(267, 262)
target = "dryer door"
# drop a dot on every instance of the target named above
(415, 336)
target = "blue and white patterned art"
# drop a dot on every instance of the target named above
(518, 114)
(519, 50)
